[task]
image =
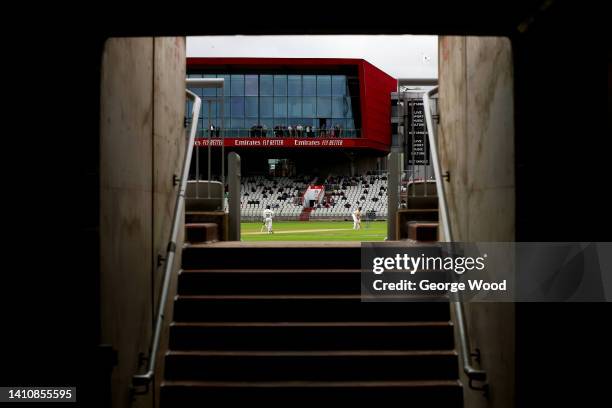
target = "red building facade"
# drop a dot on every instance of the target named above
(367, 92)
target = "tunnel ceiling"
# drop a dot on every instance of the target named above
(491, 18)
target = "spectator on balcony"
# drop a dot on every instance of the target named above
(323, 130)
(290, 129)
(300, 130)
(264, 130)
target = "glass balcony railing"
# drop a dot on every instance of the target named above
(279, 132)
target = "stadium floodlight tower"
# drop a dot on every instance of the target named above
(210, 83)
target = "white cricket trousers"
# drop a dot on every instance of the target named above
(268, 222)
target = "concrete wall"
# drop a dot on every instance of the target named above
(476, 143)
(142, 143)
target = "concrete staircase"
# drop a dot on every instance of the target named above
(201, 232)
(420, 219)
(284, 326)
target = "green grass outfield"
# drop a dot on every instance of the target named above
(315, 231)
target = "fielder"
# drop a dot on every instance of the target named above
(357, 219)
(267, 219)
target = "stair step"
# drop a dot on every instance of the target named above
(312, 336)
(241, 281)
(314, 308)
(274, 257)
(280, 281)
(291, 393)
(423, 231)
(201, 232)
(421, 202)
(355, 365)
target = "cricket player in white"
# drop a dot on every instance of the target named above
(267, 217)
(357, 219)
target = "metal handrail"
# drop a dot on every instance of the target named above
(472, 373)
(145, 379)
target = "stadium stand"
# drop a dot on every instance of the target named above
(343, 194)
(282, 194)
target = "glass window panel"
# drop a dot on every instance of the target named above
(323, 107)
(226, 123)
(294, 85)
(338, 107)
(210, 92)
(295, 107)
(280, 85)
(226, 84)
(213, 109)
(226, 107)
(309, 105)
(197, 91)
(280, 122)
(251, 85)
(250, 122)
(266, 85)
(237, 85)
(323, 85)
(252, 106)
(266, 106)
(309, 85)
(309, 121)
(236, 124)
(338, 85)
(267, 122)
(237, 106)
(280, 107)
(350, 102)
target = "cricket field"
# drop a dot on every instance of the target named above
(315, 231)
